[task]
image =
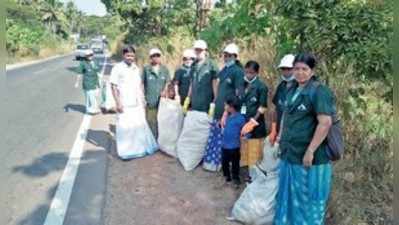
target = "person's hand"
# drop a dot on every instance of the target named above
(249, 126)
(119, 108)
(308, 158)
(223, 120)
(273, 134)
(211, 111)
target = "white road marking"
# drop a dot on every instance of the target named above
(60, 202)
(41, 71)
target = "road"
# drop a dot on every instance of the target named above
(44, 112)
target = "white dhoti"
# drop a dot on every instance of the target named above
(91, 101)
(133, 135)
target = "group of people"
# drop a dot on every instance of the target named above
(236, 100)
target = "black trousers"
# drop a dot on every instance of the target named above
(231, 156)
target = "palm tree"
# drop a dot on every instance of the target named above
(52, 16)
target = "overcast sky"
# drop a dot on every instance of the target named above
(90, 7)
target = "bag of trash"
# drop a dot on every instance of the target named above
(170, 123)
(193, 139)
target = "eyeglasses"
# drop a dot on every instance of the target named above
(155, 56)
(199, 50)
(185, 59)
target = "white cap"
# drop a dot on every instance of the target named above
(231, 49)
(189, 53)
(154, 51)
(88, 52)
(201, 44)
(287, 61)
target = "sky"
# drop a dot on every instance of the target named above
(90, 7)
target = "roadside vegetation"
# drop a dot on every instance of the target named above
(351, 39)
(41, 28)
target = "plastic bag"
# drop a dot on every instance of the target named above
(170, 123)
(256, 204)
(193, 139)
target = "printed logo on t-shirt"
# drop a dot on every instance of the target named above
(302, 107)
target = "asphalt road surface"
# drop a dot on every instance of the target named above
(44, 112)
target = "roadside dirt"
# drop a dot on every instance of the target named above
(156, 190)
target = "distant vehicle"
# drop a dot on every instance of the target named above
(98, 47)
(81, 50)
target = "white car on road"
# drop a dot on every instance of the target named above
(81, 51)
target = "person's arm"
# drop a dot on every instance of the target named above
(167, 80)
(116, 95)
(263, 103)
(215, 86)
(239, 82)
(323, 126)
(113, 79)
(215, 80)
(324, 108)
(253, 122)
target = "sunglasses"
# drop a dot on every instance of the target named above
(155, 56)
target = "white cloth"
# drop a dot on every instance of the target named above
(133, 135)
(108, 101)
(193, 138)
(170, 123)
(91, 101)
(128, 81)
(256, 204)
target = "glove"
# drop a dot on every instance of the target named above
(186, 104)
(211, 111)
(249, 126)
(273, 134)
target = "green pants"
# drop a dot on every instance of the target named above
(152, 120)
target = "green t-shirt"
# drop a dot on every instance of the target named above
(183, 77)
(231, 83)
(255, 96)
(202, 91)
(300, 121)
(89, 70)
(154, 84)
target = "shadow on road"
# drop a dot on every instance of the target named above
(75, 107)
(74, 69)
(88, 191)
(44, 165)
(103, 139)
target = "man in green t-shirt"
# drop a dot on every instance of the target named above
(90, 82)
(155, 77)
(204, 72)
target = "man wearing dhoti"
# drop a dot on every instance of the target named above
(133, 135)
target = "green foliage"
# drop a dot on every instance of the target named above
(359, 31)
(155, 19)
(237, 22)
(20, 36)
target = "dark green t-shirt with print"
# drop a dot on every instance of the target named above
(300, 121)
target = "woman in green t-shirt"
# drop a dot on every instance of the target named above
(305, 170)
